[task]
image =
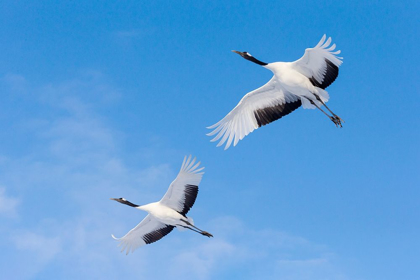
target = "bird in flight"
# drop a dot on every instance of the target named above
(167, 213)
(294, 84)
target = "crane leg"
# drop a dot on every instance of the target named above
(189, 228)
(338, 119)
(203, 232)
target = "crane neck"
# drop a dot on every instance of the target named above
(126, 202)
(253, 59)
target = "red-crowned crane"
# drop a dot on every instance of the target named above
(167, 213)
(294, 84)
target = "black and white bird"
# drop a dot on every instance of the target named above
(167, 213)
(294, 84)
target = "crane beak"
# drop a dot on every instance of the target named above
(237, 52)
(116, 199)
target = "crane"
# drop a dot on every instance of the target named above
(167, 213)
(294, 84)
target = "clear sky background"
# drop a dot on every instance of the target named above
(103, 99)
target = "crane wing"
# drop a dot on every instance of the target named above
(320, 64)
(257, 108)
(183, 190)
(147, 231)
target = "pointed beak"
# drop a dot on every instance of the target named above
(237, 52)
(114, 199)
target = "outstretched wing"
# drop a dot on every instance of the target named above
(320, 64)
(183, 190)
(147, 231)
(257, 108)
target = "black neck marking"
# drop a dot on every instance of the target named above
(253, 59)
(126, 202)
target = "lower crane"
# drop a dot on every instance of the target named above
(167, 213)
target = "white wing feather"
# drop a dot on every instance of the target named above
(313, 64)
(134, 238)
(241, 120)
(188, 175)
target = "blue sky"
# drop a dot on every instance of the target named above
(103, 99)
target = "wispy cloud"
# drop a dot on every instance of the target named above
(264, 253)
(44, 248)
(65, 182)
(8, 205)
(202, 261)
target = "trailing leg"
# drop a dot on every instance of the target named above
(203, 232)
(337, 118)
(333, 119)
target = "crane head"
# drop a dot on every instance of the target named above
(243, 54)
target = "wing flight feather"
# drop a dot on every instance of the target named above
(183, 190)
(320, 64)
(257, 108)
(149, 230)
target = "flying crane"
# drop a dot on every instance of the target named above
(167, 213)
(294, 84)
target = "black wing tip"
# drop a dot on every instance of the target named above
(330, 75)
(157, 234)
(191, 192)
(271, 114)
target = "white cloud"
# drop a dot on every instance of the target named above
(44, 248)
(202, 261)
(34, 252)
(272, 254)
(236, 250)
(68, 178)
(8, 204)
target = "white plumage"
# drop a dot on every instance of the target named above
(167, 213)
(294, 84)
